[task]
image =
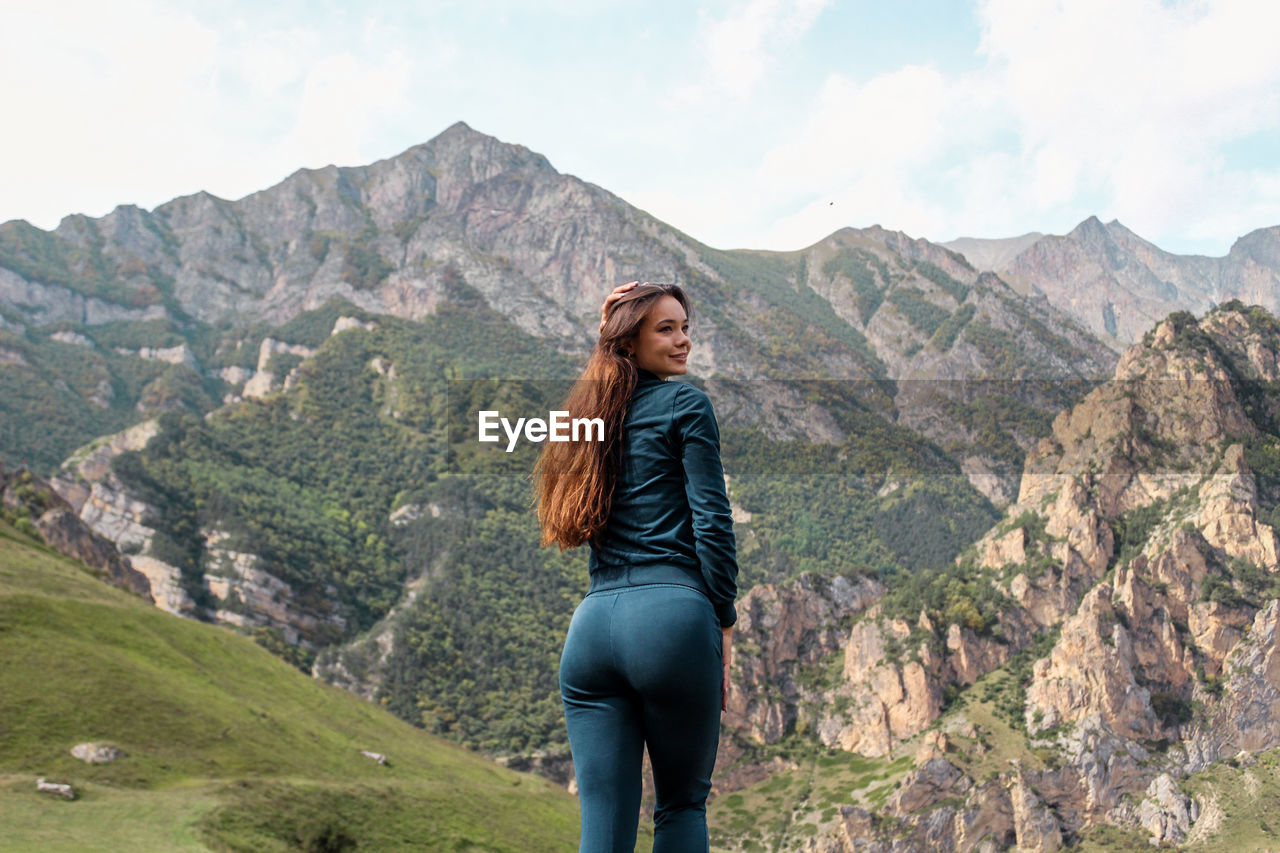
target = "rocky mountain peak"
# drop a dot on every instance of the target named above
(1261, 246)
(1091, 227)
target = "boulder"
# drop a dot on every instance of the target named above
(95, 753)
(56, 789)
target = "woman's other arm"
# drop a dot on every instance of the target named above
(613, 297)
(728, 659)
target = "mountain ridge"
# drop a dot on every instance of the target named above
(1118, 284)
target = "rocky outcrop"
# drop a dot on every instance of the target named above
(968, 657)
(41, 304)
(1091, 671)
(1140, 546)
(180, 354)
(238, 588)
(784, 633)
(939, 808)
(1200, 417)
(248, 596)
(344, 323)
(889, 698)
(63, 531)
(863, 689)
(88, 484)
(264, 380)
(74, 338)
(1247, 717)
(54, 519)
(1166, 812)
(929, 783)
(1035, 827)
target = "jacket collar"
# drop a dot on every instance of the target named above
(646, 377)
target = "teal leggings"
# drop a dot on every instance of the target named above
(642, 666)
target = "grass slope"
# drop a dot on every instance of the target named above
(227, 747)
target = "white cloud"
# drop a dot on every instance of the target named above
(1115, 107)
(741, 46)
(1138, 109)
(341, 102)
(73, 104)
(131, 102)
(1136, 98)
(891, 122)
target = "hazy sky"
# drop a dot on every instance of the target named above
(745, 123)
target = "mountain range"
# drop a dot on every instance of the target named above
(264, 404)
(1119, 285)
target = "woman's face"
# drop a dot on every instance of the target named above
(662, 344)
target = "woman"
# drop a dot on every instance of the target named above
(646, 659)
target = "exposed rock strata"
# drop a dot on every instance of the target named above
(784, 632)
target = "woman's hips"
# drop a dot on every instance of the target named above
(648, 637)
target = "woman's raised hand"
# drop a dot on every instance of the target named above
(613, 297)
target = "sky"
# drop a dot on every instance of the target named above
(762, 124)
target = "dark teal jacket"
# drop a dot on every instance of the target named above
(670, 508)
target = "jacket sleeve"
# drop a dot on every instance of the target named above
(699, 438)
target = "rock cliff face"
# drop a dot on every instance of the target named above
(1141, 554)
(786, 634)
(97, 496)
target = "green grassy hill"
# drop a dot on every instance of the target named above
(227, 747)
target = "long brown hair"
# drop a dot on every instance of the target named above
(574, 480)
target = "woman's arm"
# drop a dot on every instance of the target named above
(699, 437)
